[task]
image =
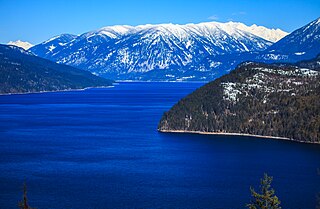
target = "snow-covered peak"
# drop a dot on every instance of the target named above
(113, 32)
(23, 44)
(62, 38)
(118, 29)
(231, 28)
(169, 29)
(51, 39)
(316, 21)
(272, 35)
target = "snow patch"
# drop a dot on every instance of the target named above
(215, 64)
(299, 53)
(230, 92)
(51, 48)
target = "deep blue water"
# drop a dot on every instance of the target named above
(99, 148)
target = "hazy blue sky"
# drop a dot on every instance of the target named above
(36, 20)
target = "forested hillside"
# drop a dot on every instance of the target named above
(278, 100)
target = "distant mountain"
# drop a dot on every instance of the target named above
(302, 44)
(47, 48)
(279, 100)
(21, 72)
(23, 44)
(155, 52)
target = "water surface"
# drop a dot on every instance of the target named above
(99, 148)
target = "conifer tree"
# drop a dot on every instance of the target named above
(267, 198)
(23, 204)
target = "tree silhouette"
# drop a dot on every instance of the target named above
(23, 204)
(267, 198)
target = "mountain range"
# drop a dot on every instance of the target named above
(169, 52)
(156, 52)
(277, 100)
(22, 72)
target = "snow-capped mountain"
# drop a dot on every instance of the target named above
(23, 44)
(154, 52)
(272, 35)
(303, 42)
(56, 43)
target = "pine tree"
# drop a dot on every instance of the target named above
(23, 204)
(267, 198)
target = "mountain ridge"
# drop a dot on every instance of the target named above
(271, 34)
(303, 41)
(123, 52)
(169, 52)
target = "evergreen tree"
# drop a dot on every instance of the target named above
(267, 198)
(23, 204)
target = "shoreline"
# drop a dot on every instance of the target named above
(141, 81)
(236, 134)
(64, 90)
(116, 83)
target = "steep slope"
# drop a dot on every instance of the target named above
(21, 71)
(303, 42)
(48, 48)
(149, 52)
(279, 100)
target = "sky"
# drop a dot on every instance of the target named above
(38, 20)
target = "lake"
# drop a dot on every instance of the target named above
(100, 148)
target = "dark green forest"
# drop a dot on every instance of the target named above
(21, 72)
(280, 100)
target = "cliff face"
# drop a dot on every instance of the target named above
(278, 100)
